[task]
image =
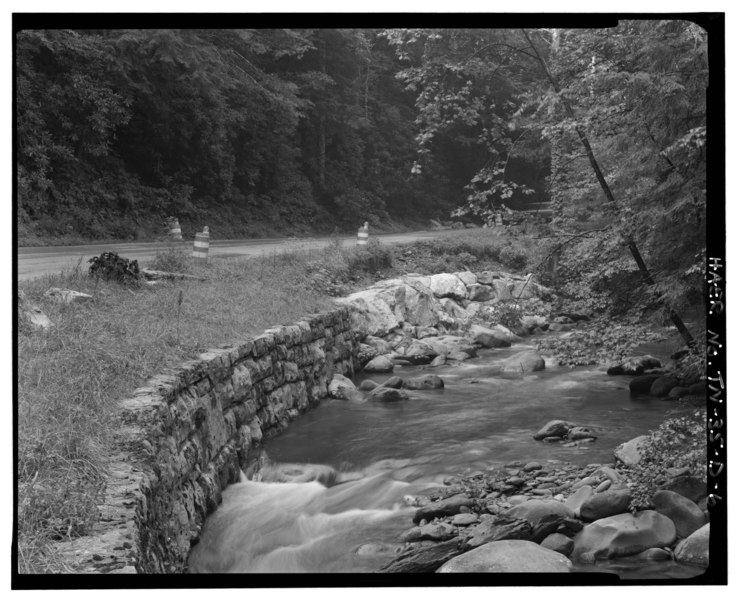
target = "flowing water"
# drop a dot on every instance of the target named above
(384, 451)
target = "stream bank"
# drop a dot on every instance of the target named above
(345, 488)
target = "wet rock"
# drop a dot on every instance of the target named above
(686, 485)
(480, 293)
(394, 382)
(438, 361)
(443, 508)
(694, 549)
(559, 543)
(524, 362)
(605, 504)
(677, 392)
(642, 384)
(637, 364)
(530, 322)
(531, 466)
(298, 473)
(628, 452)
(544, 515)
(653, 554)
(424, 559)
(556, 428)
(497, 528)
(570, 527)
(419, 353)
(580, 433)
(662, 386)
(368, 385)
(489, 338)
(560, 327)
(376, 548)
(383, 394)
(623, 535)
(380, 345)
(338, 385)
(575, 501)
(437, 531)
(508, 556)
(697, 389)
(424, 382)
(380, 364)
(610, 473)
(465, 519)
(603, 486)
(684, 513)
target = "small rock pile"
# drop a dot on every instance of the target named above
(649, 377)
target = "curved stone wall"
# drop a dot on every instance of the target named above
(185, 435)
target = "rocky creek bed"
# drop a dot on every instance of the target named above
(442, 456)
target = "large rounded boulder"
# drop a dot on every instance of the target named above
(605, 504)
(545, 516)
(694, 549)
(524, 362)
(684, 513)
(508, 556)
(623, 535)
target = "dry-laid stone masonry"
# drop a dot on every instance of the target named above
(185, 436)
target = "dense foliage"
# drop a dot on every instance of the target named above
(678, 444)
(256, 131)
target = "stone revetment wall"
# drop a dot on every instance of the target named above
(186, 435)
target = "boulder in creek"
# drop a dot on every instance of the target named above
(556, 428)
(380, 345)
(393, 382)
(368, 385)
(684, 513)
(338, 386)
(438, 361)
(488, 337)
(378, 309)
(691, 487)
(523, 362)
(694, 549)
(642, 384)
(580, 433)
(465, 519)
(662, 385)
(381, 364)
(442, 285)
(697, 389)
(420, 558)
(366, 353)
(559, 543)
(652, 554)
(498, 528)
(605, 504)
(383, 394)
(629, 452)
(575, 501)
(443, 508)
(545, 516)
(678, 392)
(437, 531)
(508, 556)
(419, 353)
(424, 382)
(623, 535)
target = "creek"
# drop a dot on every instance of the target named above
(384, 451)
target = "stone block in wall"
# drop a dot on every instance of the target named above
(278, 333)
(263, 344)
(245, 349)
(290, 371)
(244, 411)
(240, 381)
(255, 427)
(225, 393)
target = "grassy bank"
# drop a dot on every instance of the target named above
(97, 352)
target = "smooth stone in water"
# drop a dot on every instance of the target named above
(508, 556)
(424, 382)
(642, 384)
(684, 513)
(556, 428)
(381, 394)
(380, 364)
(575, 501)
(605, 504)
(623, 535)
(524, 362)
(694, 549)
(544, 515)
(443, 508)
(559, 543)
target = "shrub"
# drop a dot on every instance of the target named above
(112, 267)
(677, 443)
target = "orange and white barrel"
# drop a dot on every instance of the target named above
(174, 230)
(202, 242)
(363, 234)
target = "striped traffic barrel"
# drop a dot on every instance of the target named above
(174, 229)
(363, 234)
(202, 241)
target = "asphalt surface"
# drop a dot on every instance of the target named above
(39, 261)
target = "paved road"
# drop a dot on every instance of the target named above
(38, 261)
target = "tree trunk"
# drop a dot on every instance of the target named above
(674, 317)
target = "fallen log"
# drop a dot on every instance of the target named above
(154, 275)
